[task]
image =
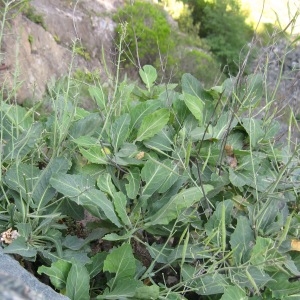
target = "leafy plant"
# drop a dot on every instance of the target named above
(147, 33)
(189, 193)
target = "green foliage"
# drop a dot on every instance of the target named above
(200, 64)
(222, 25)
(80, 50)
(147, 33)
(182, 184)
(36, 18)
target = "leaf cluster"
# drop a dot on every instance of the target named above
(180, 184)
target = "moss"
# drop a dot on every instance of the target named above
(30, 39)
(80, 50)
(56, 38)
(34, 17)
(86, 76)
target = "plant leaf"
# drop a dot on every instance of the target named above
(241, 240)
(154, 174)
(86, 126)
(78, 282)
(105, 184)
(139, 112)
(81, 189)
(120, 202)
(20, 247)
(195, 105)
(58, 273)
(123, 289)
(148, 74)
(94, 154)
(177, 204)
(96, 92)
(153, 123)
(234, 293)
(120, 131)
(121, 262)
(43, 192)
(133, 185)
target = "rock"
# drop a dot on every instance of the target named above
(18, 284)
(34, 55)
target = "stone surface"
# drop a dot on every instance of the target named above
(18, 284)
(32, 56)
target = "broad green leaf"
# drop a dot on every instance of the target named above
(282, 286)
(240, 178)
(223, 125)
(78, 282)
(105, 184)
(115, 237)
(195, 105)
(22, 178)
(254, 129)
(86, 126)
(154, 175)
(85, 141)
(72, 186)
(262, 251)
(21, 247)
(251, 278)
(191, 85)
(43, 192)
(209, 284)
(234, 293)
(121, 262)
(17, 116)
(124, 289)
(153, 123)
(242, 240)
(139, 112)
(147, 292)
(96, 264)
(127, 150)
(120, 202)
(171, 177)
(120, 131)
(177, 204)
(163, 140)
(98, 95)
(58, 273)
(223, 209)
(80, 188)
(73, 242)
(133, 185)
(95, 154)
(148, 75)
(23, 144)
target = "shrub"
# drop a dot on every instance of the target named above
(222, 24)
(200, 64)
(148, 33)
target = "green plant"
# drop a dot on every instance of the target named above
(186, 185)
(80, 50)
(147, 33)
(222, 25)
(200, 64)
(56, 38)
(30, 39)
(36, 18)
